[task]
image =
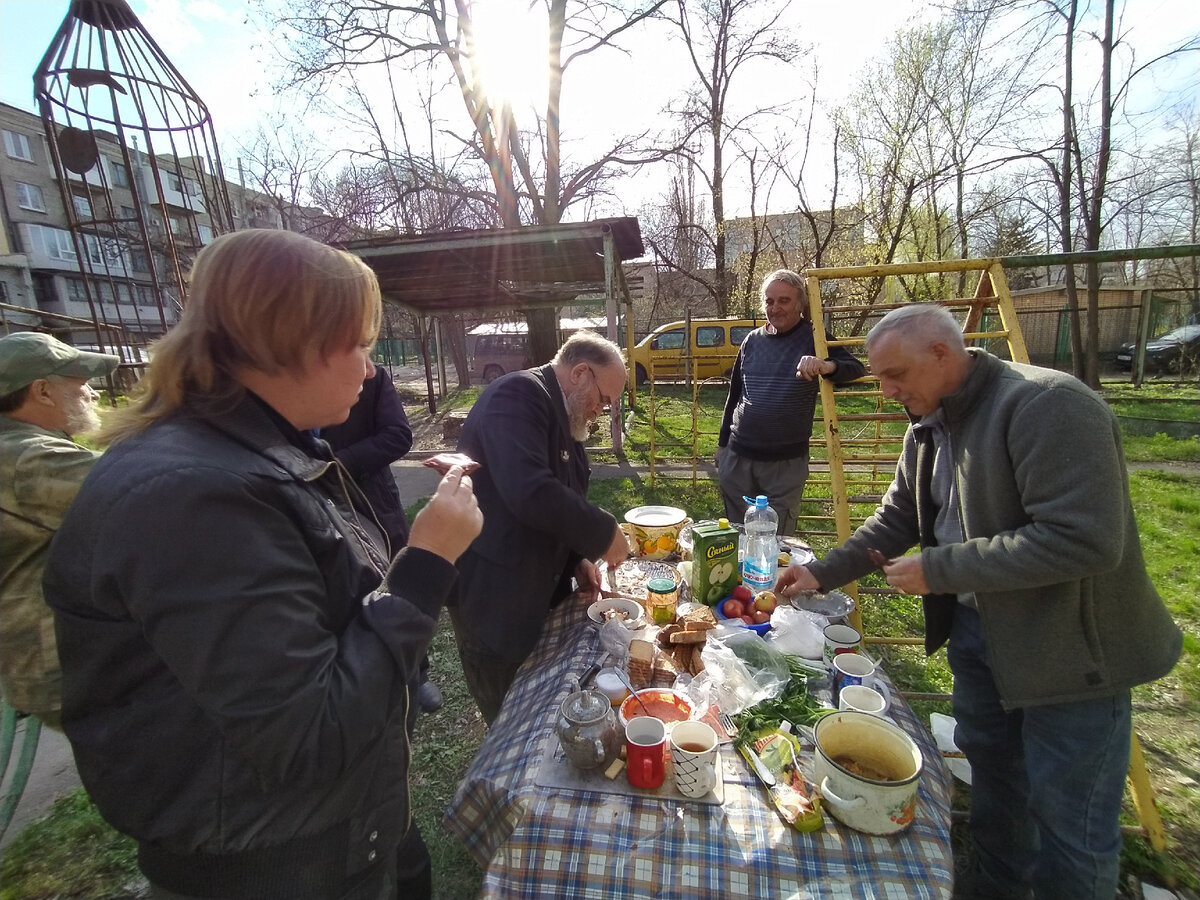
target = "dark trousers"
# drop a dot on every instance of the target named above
(488, 674)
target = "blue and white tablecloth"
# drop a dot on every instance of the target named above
(535, 841)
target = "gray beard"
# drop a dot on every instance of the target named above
(82, 418)
(577, 417)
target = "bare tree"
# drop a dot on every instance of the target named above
(282, 163)
(334, 38)
(723, 40)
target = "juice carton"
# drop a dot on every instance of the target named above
(714, 561)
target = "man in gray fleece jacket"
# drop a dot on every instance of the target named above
(1013, 485)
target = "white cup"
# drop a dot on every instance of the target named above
(840, 639)
(860, 698)
(694, 758)
(611, 685)
(852, 668)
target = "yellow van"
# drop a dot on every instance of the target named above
(714, 347)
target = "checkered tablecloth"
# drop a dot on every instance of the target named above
(535, 841)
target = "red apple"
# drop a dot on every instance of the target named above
(732, 609)
(765, 601)
(743, 593)
(748, 620)
(760, 617)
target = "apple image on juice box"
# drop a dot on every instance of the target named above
(714, 561)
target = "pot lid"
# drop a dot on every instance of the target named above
(584, 707)
(655, 516)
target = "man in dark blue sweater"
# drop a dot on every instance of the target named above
(763, 446)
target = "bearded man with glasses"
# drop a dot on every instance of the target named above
(540, 533)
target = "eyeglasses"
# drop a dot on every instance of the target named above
(604, 401)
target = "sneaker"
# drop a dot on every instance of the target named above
(429, 698)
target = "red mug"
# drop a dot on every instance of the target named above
(646, 752)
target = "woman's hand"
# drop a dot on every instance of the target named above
(451, 520)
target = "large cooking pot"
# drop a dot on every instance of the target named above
(868, 771)
(653, 531)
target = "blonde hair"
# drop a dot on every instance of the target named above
(787, 276)
(265, 300)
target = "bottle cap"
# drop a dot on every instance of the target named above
(760, 501)
(722, 522)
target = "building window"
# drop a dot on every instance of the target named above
(54, 242)
(139, 261)
(145, 297)
(128, 212)
(83, 206)
(206, 234)
(29, 196)
(76, 291)
(16, 145)
(120, 174)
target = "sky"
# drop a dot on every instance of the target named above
(222, 57)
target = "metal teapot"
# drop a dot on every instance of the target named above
(587, 728)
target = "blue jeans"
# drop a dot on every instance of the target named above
(1047, 782)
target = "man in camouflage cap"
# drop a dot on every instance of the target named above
(44, 398)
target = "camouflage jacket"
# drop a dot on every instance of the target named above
(40, 474)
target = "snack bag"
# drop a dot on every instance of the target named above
(794, 796)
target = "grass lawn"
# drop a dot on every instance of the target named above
(40, 862)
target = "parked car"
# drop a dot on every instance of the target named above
(496, 354)
(714, 342)
(1174, 352)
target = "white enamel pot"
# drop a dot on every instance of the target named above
(850, 742)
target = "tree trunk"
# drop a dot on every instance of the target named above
(543, 334)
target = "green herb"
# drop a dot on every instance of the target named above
(794, 705)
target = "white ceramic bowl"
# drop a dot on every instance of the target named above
(636, 615)
(664, 703)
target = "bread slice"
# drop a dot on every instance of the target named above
(641, 662)
(689, 637)
(699, 619)
(696, 665)
(664, 634)
(665, 671)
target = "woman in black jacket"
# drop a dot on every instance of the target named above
(236, 643)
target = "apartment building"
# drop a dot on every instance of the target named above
(127, 277)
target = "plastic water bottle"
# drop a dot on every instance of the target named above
(762, 545)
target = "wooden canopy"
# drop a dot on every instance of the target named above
(503, 269)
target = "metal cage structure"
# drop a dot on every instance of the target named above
(135, 154)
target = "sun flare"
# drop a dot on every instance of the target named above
(510, 51)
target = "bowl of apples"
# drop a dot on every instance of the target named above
(744, 607)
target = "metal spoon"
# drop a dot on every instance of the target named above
(625, 681)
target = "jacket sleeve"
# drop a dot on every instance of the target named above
(46, 478)
(387, 441)
(515, 447)
(848, 368)
(731, 401)
(242, 616)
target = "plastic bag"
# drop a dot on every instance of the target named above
(797, 632)
(615, 638)
(740, 670)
